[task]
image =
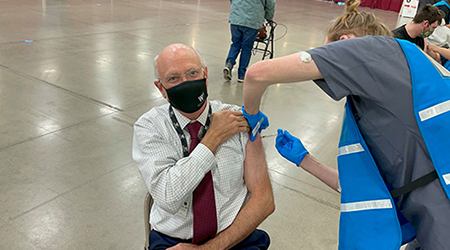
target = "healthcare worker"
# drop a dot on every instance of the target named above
(394, 168)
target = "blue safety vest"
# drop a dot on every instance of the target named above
(368, 218)
(441, 3)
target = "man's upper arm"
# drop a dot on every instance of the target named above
(256, 174)
(151, 154)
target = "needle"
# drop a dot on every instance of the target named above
(266, 136)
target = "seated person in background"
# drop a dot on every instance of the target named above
(445, 7)
(210, 185)
(423, 24)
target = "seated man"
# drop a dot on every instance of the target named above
(422, 26)
(210, 185)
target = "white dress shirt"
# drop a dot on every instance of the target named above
(171, 178)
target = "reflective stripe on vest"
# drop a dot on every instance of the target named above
(366, 205)
(436, 110)
(446, 178)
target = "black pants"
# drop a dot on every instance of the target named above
(258, 240)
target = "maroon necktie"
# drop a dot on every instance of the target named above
(204, 205)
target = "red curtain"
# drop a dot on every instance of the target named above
(393, 5)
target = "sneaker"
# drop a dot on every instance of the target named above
(240, 79)
(227, 71)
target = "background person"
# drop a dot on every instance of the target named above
(445, 7)
(427, 19)
(246, 17)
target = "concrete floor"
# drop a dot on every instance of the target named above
(70, 96)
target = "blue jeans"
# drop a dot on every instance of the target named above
(242, 39)
(258, 240)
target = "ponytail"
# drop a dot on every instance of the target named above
(357, 23)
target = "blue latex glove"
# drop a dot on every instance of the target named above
(257, 123)
(290, 147)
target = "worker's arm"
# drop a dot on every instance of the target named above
(442, 51)
(433, 54)
(287, 69)
(291, 148)
(324, 173)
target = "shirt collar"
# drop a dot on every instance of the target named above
(184, 121)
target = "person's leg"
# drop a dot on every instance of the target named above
(160, 241)
(258, 240)
(248, 40)
(236, 41)
(235, 47)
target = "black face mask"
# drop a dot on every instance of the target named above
(188, 96)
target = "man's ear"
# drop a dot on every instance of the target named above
(159, 85)
(425, 23)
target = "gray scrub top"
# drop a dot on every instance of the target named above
(374, 74)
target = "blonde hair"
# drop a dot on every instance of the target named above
(357, 23)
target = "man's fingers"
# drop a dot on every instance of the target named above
(243, 123)
(244, 129)
(237, 113)
(240, 118)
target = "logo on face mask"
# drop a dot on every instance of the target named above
(189, 96)
(201, 97)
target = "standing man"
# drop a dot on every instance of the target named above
(210, 185)
(246, 17)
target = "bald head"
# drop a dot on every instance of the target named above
(176, 54)
(178, 64)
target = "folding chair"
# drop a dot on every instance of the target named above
(147, 206)
(265, 45)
